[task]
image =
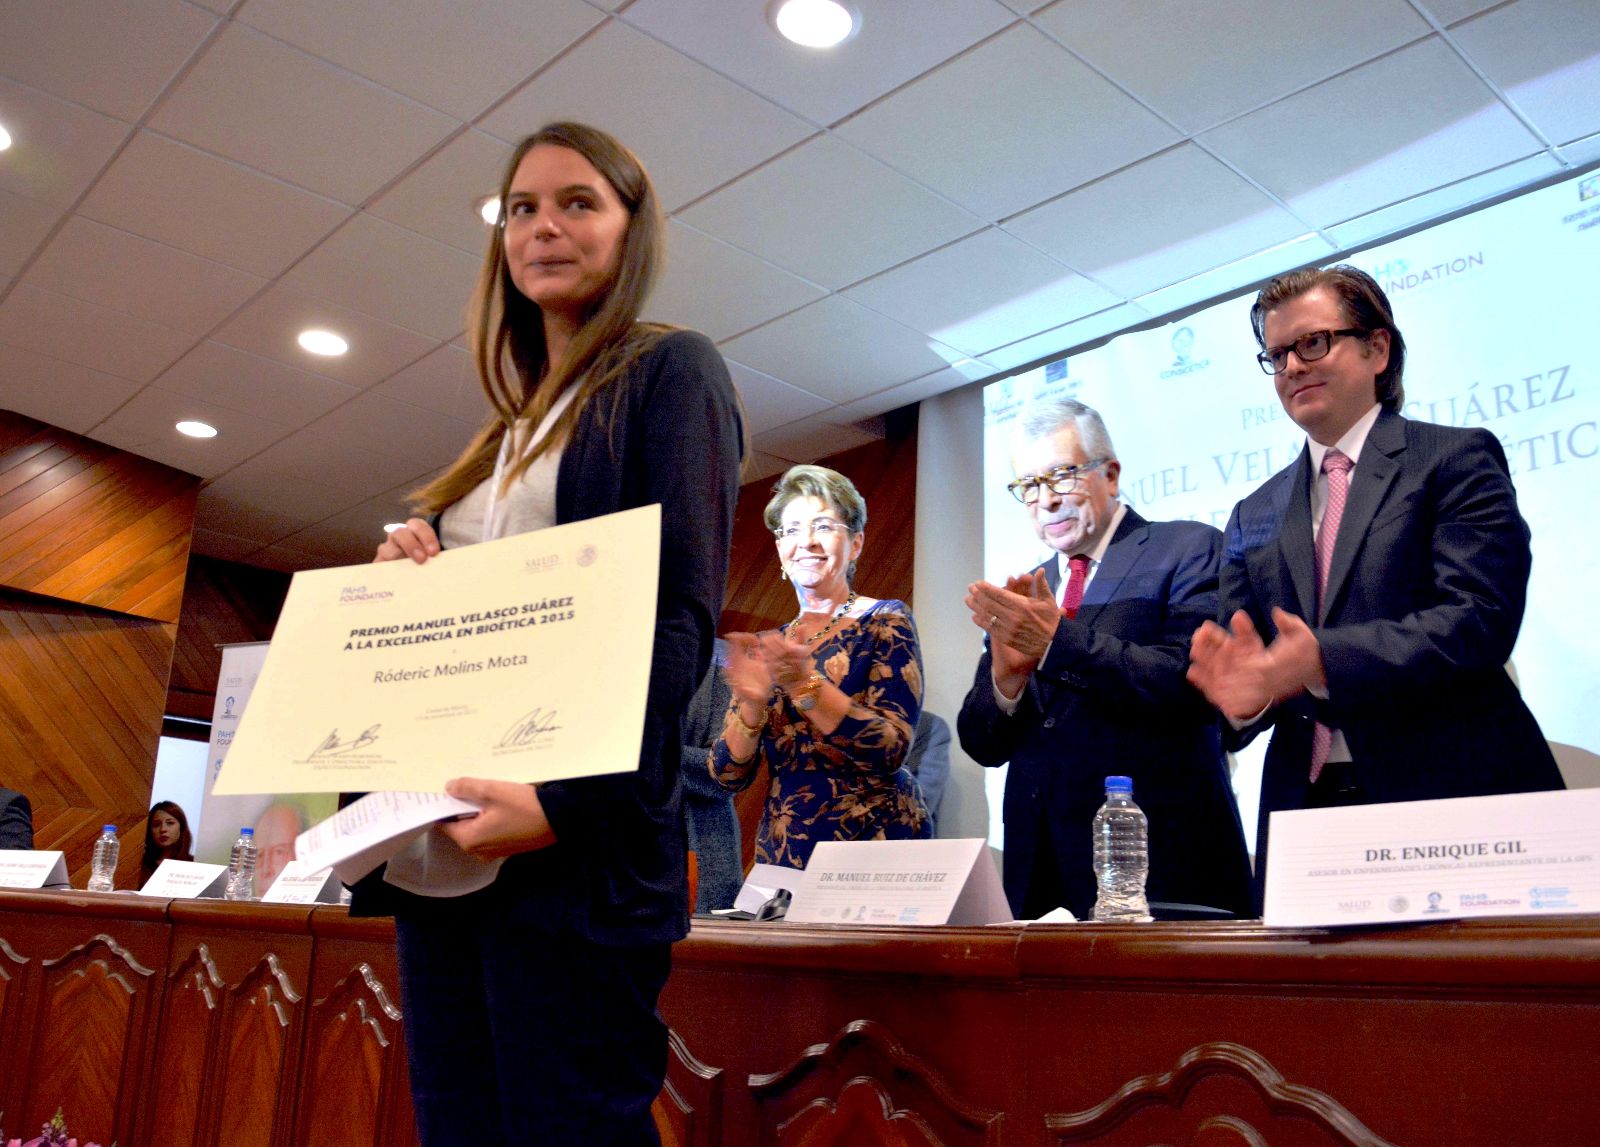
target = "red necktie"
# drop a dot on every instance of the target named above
(1077, 577)
(1337, 467)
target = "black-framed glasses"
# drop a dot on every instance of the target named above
(1061, 480)
(1309, 347)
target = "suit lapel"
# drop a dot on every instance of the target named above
(1370, 482)
(1127, 544)
(1299, 553)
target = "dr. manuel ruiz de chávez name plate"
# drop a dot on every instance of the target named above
(522, 659)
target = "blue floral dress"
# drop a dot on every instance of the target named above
(848, 784)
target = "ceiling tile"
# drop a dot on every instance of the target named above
(145, 427)
(149, 280)
(1449, 11)
(1009, 124)
(895, 42)
(759, 465)
(351, 535)
(1237, 275)
(259, 502)
(1157, 222)
(424, 438)
(830, 214)
(1430, 205)
(1581, 152)
(23, 225)
(270, 324)
(326, 457)
(251, 384)
(1329, 165)
(1545, 55)
(61, 393)
(719, 289)
(114, 58)
(189, 199)
(813, 438)
(980, 292)
(214, 544)
(598, 82)
(440, 198)
(56, 147)
(769, 402)
(278, 110)
(286, 558)
(392, 274)
(1068, 336)
(505, 40)
(1201, 64)
(58, 326)
(444, 382)
(905, 394)
(838, 350)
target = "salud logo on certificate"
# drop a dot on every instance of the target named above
(522, 659)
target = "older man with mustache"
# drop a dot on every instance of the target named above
(1082, 677)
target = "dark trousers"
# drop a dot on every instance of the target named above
(520, 1037)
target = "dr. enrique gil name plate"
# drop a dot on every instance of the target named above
(1522, 854)
(522, 659)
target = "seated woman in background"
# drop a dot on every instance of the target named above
(166, 837)
(829, 702)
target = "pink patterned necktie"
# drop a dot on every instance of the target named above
(1077, 578)
(1336, 466)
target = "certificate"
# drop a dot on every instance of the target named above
(522, 659)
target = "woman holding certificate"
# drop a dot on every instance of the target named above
(829, 702)
(535, 938)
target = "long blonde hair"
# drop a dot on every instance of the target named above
(507, 329)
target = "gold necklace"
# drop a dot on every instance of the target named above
(823, 632)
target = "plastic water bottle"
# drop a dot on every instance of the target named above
(242, 867)
(1121, 855)
(103, 873)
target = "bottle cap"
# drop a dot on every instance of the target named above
(247, 832)
(1119, 784)
(108, 828)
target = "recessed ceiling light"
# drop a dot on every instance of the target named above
(323, 342)
(5, 137)
(814, 23)
(392, 527)
(489, 209)
(197, 429)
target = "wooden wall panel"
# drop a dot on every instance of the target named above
(88, 523)
(224, 603)
(81, 693)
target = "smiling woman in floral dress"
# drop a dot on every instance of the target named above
(830, 701)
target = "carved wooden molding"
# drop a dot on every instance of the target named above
(1171, 1092)
(689, 1109)
(11, 953)
(112, 946)
(346, 995)
(886, 1092)
(207, 979)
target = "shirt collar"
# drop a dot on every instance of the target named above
(1099, 550)
(1350, 445)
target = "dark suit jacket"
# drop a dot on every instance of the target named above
(16, 820)
(1424, 600)
(707, 806)
(617, 873)
(1112, 698)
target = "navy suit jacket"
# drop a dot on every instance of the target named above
(1424, 600)
(1112, 698)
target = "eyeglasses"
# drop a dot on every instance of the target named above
(820, 528)
(1310, 347)
(1061, 480)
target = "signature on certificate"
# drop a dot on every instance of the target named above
(332, 746)
(529, 729)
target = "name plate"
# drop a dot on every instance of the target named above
(298, 885)
(900, 882)
(1522, 854)
(187, 880)
(24, 868)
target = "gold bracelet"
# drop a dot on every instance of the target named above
(805, 697)
(751, 731)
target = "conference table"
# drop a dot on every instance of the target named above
(176, 1022)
